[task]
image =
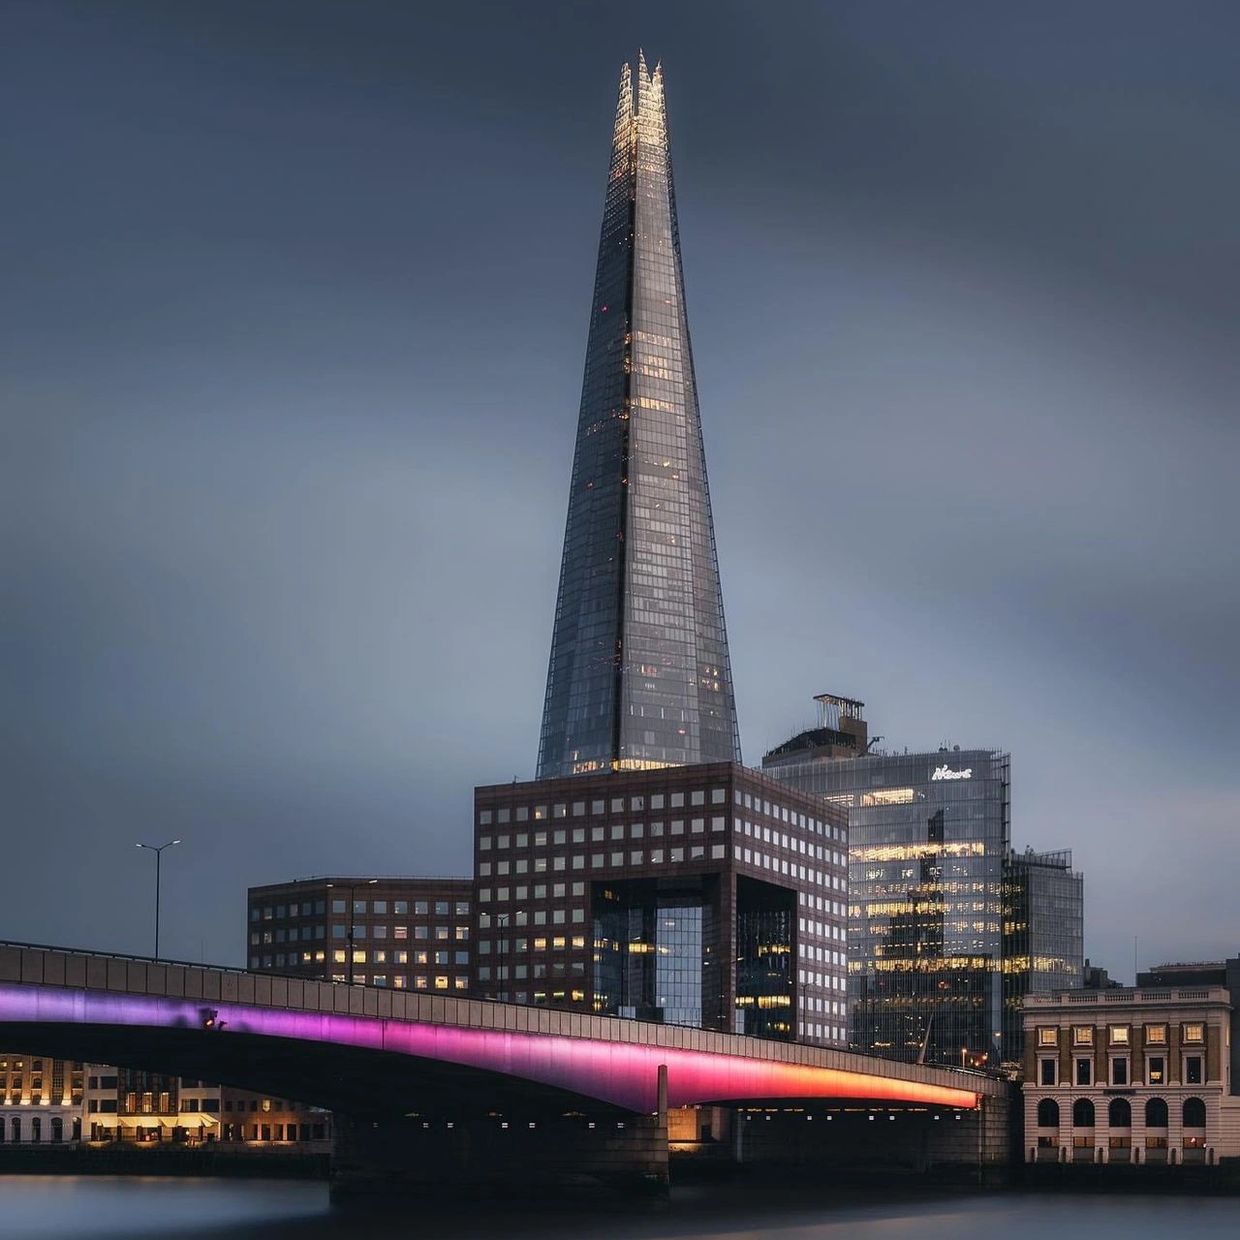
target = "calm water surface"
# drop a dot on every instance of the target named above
(107, 1208)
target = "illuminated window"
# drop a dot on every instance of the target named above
(1194, 1031)
(1156, 1035)
(1082, 1035)
(1118, 1035)
(1048, 1037)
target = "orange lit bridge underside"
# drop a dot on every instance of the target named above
(622, 1073)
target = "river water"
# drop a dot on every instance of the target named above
(110, 1207)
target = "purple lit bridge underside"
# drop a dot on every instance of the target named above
(623, 1074)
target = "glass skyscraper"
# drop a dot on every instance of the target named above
(948, 928)
(639, 676)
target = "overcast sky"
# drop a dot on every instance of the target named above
(294, 315)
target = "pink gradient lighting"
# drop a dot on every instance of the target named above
(622, 1073)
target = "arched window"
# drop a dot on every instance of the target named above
(1194, 1113)
(1048, 1113)
(1082, 1113)
(1119, 1113)
(1156, 1113)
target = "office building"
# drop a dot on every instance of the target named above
(702, 895)
(1130, 1075)
(639, 676)
(948, 928)
(404, 933)
(1043, 928)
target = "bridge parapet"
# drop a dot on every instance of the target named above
(33, 965)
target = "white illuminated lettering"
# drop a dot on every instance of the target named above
(945, 772)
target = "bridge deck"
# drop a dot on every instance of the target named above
(616, 1055)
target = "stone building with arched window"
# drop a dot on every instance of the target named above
(1131, 1075)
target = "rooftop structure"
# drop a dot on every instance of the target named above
(841, 733)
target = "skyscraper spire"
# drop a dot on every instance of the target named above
(639, 674)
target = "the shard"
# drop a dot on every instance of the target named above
(639, 675)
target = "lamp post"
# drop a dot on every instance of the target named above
(370, 882)
(158, 850)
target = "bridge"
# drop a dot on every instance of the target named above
(398, 1068)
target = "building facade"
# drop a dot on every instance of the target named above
(1043, 931)
(402, 933)
(948, 928)
(1130, 1075)
(701, 895)
(1225, 973)
(131, 1105)
(46, 1101)
(259, 1121)
(639, 675)
(41, 1099)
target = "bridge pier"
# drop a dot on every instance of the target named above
(851, 1140)
(499, 1156)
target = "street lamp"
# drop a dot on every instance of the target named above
(158, 850)
(370, 882)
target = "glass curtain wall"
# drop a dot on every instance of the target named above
(654, 953)
(765, 955)
(639, 675)
(928, 836)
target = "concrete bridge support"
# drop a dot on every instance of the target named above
(499, 1156)
(849, 1140)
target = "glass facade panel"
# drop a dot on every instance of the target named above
(639, 675)
(765, 927)
(948, 928)
(654, 953)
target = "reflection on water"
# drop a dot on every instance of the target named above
(110, 1207)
